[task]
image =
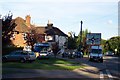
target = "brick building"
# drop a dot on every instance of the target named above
(47, 33)
(21, 31)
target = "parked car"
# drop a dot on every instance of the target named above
(43, 54)
(109, 53)
(78, 54)
(20, 55)
(71, 55)
(65, 54)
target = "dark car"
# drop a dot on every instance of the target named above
(65, 54)
(109, 53)
(20, 55)
(78, 54)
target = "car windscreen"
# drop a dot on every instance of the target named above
(41, 48)
(43, 52)
(96, 51)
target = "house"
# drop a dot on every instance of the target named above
(21, 31)
(24, 32)
(51, 34)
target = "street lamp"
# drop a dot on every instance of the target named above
(81, 36)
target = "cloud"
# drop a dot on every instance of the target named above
(110, 22)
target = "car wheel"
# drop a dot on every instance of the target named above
(22, 60)
(90, 59)
(4, 59)
(31, 61)
(101, 61)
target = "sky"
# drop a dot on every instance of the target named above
(98, 16)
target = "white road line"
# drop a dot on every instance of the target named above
(109, 75)
(101, 75)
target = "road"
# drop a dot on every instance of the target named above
(108, 70)
(113, 64)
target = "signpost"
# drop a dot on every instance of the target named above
(93, 39)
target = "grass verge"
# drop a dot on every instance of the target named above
(44, 64)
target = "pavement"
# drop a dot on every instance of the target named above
(86, 72)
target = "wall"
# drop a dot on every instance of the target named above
(19, 40)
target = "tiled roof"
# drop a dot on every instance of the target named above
(40, 29)
(49, 30)
(21, 25)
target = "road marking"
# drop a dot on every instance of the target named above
(109, 75)
(101, 75)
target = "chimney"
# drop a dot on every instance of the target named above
(28, 18)
(49, 24)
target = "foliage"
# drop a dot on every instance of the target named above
(7, 28)
(55, 48)
(103, 42)
(84, 46)
(112, 44)
(74, 41)
(71, 43)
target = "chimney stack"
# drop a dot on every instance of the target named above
(50, 24)
(28, 19)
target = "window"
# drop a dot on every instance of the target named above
(96, 50)
(24, 36)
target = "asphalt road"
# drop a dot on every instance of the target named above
(113, 65)
(109, 69)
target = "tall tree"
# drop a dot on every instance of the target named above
(7, 28)
(83, 44)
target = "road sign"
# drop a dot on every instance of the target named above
(93, 39)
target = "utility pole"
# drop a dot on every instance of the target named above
(81, 36)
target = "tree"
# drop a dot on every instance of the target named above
(103, 42)
(112, 44)
(55, 48)
(71, 41)
(7, 28)
(83, 44)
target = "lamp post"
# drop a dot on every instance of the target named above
(81, 36)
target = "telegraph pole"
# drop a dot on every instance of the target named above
(81, 36)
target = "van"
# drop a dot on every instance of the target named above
(42, 50)
(96, 53)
